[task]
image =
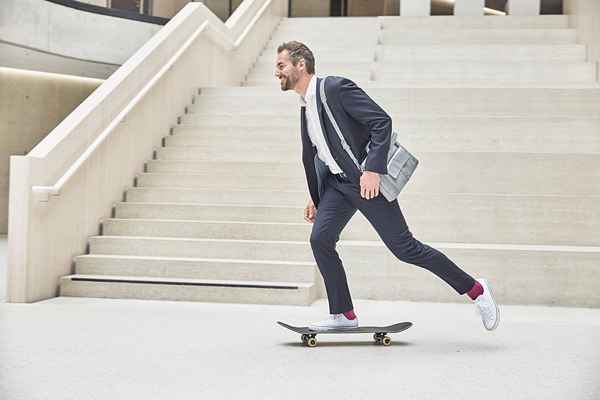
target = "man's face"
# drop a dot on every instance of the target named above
(286, 72)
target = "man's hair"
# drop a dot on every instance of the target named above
(298, 51)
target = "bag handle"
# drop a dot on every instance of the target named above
(345, 145)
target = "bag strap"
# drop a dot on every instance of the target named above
(345, 145)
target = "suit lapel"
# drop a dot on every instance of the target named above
(320, 112)
(307, 144)
(303, 127)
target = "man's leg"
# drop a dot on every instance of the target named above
(333, 214)
(388, 221)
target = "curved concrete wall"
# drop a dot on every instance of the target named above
(46, 99)
(44, 36)
(21, 57)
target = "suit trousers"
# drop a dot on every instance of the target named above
(339, 202)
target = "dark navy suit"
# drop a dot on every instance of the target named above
(338, 197)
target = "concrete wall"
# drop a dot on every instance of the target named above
(33, 104)
(68, 183)
(101, 3)
(39, 35)
(219, 7)
(168, 8)
(584, 15)
(363, 8)
(19, 57)
(310, 8)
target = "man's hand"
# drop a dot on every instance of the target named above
(310, 212)
(369, 185)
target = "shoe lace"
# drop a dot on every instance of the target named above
(485, 309)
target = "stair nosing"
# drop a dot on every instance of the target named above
(187, 281)
(200, 259)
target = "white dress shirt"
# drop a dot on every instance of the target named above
(313, 125)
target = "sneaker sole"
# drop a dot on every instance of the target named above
(332, 328)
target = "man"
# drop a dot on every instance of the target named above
(338, 188)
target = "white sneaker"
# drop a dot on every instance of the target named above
(335, 321)
(490, 313)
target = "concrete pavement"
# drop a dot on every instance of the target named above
(78, 348)
(85, 348)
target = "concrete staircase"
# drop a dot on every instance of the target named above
(501, 111)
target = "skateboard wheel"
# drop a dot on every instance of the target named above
(311, 342)
(304, 338)
(386, 341)
(378, 337)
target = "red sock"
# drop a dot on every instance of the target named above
(475, 291)
(350, 315)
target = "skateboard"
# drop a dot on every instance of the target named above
(309, 337)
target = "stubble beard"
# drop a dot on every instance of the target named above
(287, 83)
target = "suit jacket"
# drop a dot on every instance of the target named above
(361, 121)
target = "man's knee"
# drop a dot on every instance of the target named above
(411, 251)
(322, 240)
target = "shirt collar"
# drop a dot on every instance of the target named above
(311, 91)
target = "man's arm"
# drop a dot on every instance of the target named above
(368, 113)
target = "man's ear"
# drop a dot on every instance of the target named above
(302, 64)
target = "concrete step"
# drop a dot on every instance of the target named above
(481, 84)
(553, 220)
(479, 36)
(210, 229)
(468, 22)
(391, 92)
(313, 22)
(562, 275)
(332, 55)
(197, 268)
(479, 134)
(267, 78)
(436, 102)
(208, 179)
(556, 219)
(499, 173)
(239, 137)
(334, 37)
(237, 147)
(267, 68)
(249, 120)
(510, 135)
(343, 49)
(225, 196)
(446, 84)
(299, 25)
(180, 289)
(447, 52)
(193, 167)
(482, 53)
(342, 53)
(486, 71)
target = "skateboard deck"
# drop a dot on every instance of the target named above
(309, 337)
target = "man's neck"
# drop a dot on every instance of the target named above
(302, 85)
